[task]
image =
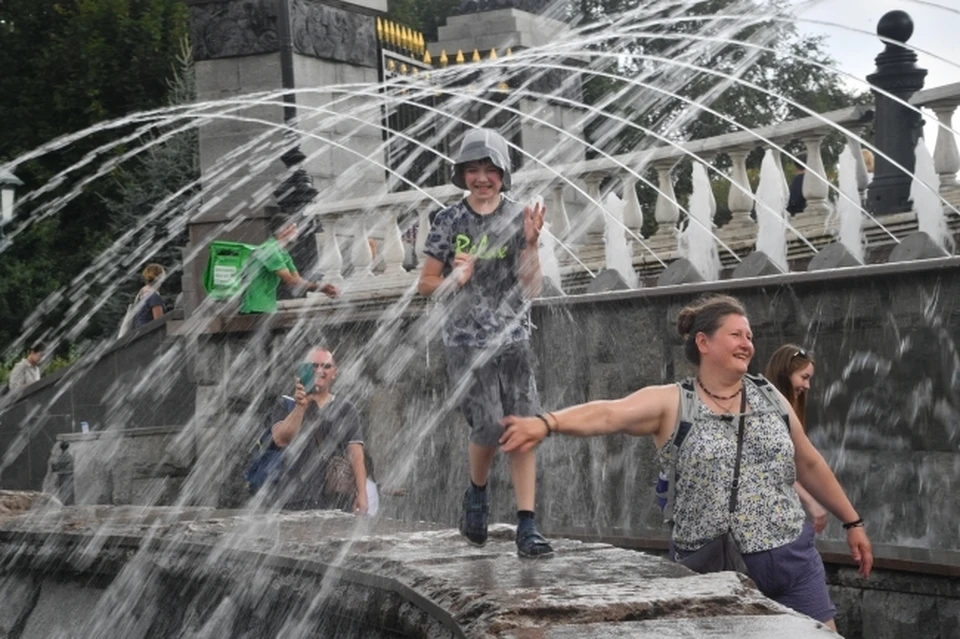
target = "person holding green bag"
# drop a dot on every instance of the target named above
(271, 264)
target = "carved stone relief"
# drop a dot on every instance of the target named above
(331, 33)
(229, 29)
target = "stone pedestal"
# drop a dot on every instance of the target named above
(834, 255)
(681, 271)
(917, 246)
(757, 264)
(243, 47)
(558, 138)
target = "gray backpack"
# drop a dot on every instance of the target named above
(667, 479)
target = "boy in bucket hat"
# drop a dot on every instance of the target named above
(482, 262)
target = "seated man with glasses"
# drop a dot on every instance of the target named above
(323, 463)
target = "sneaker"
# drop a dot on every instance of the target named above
(473, 517)
(530, 543)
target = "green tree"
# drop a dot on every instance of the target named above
(67, 65)
(158, 185)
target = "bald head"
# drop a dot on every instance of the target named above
(324, 367)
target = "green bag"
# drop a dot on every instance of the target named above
(223, 277)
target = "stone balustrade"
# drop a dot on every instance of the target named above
(943, 101)
(576, 192)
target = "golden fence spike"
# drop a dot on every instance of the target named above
(460, 59)
(475, 57)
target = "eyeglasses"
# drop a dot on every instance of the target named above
(325, 366)
(801, 353)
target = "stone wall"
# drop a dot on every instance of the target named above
(895, 604)
(883, 408)
(140, 381)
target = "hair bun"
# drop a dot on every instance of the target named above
(685, 321)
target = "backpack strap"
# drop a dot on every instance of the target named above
(266, 435)
(771, 395)
(667, 482)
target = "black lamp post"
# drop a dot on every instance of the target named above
(897, 128)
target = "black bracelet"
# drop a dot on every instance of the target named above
(545, 423)
(854, 524)
(556, 422)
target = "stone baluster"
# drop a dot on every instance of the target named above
(946, 156)
(632, 213)
(331, 259)
(667, 213)
(815, 187)
(557, 214)
(361, 257)
(392, 252)
(423, 230)
(740, 199)
(594, 215)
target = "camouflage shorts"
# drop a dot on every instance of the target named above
(490, 384)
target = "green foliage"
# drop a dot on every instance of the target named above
(67, 65)
(425, 16)
(146, 187)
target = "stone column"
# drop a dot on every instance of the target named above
(898, 127)
(815, 186)
(331, 259)
(667, 213)
(593, 217)
(512, 26)
(361, 258)
(557, 214)
(632, 212)
(946, 156)
(740, 200)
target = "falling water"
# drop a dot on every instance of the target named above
(549, 264)
(418, 420)
(619, 256)
(925, 193)
(771, 205)
(696, 241)
(848, 205)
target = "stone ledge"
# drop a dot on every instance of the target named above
(460, 590)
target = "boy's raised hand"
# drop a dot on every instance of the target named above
(533, 222)
(463, 267)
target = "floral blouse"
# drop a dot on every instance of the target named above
(768, 513)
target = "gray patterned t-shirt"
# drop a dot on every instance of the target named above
(490, 308)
